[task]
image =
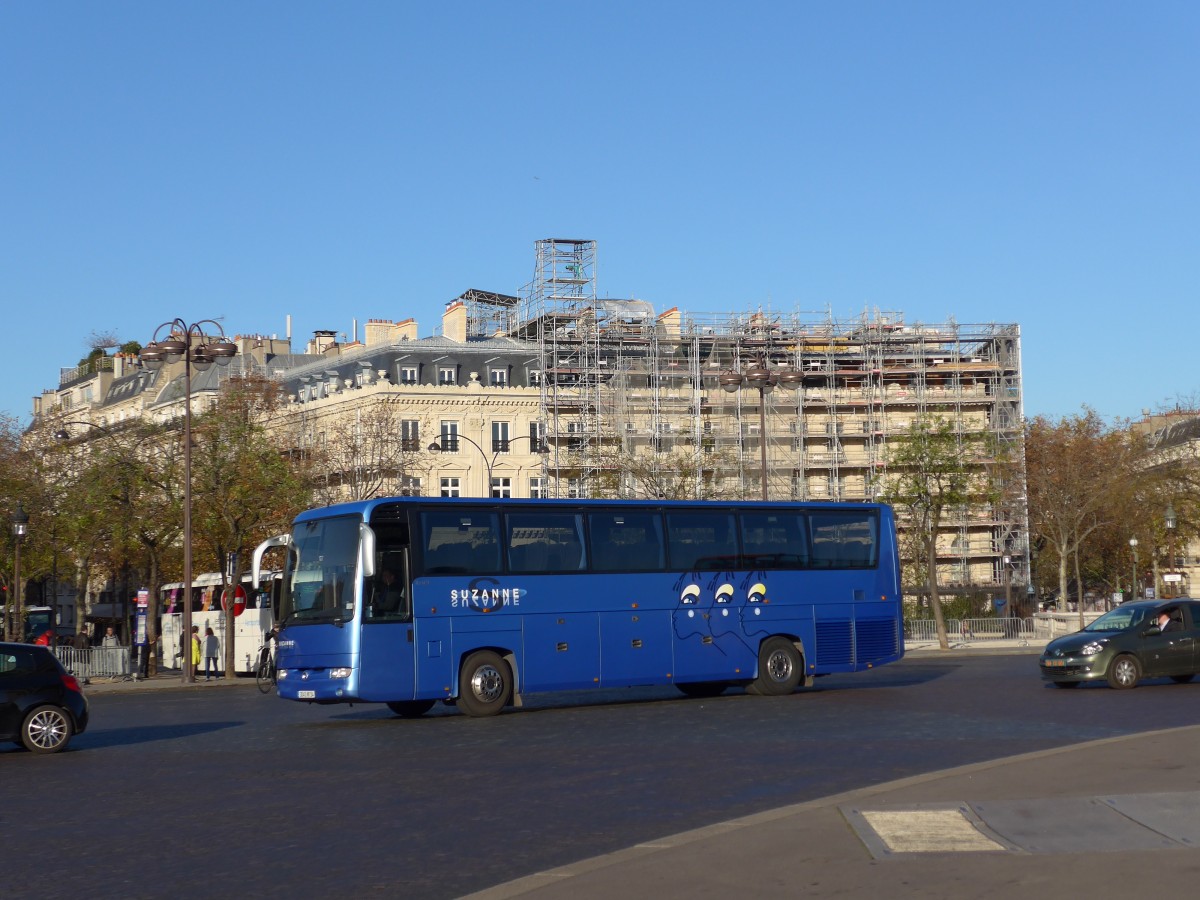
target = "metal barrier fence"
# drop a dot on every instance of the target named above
(96, 662)
(1042, 627)
(982, 629)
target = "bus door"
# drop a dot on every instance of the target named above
(386, 647)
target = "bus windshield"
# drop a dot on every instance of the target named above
(319, 574)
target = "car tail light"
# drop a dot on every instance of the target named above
(71, 683)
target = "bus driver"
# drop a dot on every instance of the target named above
(389, 595)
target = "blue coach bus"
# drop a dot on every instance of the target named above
(408, 601)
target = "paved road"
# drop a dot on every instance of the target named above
(214, 790)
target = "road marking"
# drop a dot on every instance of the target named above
(928, 831)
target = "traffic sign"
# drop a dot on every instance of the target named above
(239, 600)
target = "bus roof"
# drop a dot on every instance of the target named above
(364, 508)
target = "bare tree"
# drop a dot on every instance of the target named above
(368, 454)
(682, 473)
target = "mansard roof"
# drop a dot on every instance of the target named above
(1179, 433)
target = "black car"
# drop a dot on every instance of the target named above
(41, 703)
(1128, 644)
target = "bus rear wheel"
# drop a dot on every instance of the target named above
(484, 684)
(780, 668)
(411, 709)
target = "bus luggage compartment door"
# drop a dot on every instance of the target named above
(561, 652)
(635, 647)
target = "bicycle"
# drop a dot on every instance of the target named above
(264, 670)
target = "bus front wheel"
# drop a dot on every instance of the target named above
(780, 668)
(484, 684)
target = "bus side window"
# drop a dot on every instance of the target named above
(774, 540)
(702, 540)
(545, 542)
(626, 540)
(844, 540)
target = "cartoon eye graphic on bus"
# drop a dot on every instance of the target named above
(690, 595)
(757, 593)
(724, 593)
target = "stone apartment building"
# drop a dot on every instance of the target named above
(560, 393)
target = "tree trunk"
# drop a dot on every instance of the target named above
(1078, 585)
(935, 601)
(1062, 581)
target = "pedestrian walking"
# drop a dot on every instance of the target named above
(195, 648)
(211, 648)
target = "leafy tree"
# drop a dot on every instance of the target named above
(243, 488)
(931, 469)
(112, 505)
(1082, 479)
(15, 487)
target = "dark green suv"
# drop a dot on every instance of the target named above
(1127, 644)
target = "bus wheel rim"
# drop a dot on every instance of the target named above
(779, 666)
(487, 684)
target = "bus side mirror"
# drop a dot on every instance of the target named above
(366, 550)
(280, 540)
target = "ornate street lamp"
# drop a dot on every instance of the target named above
(198, 351)
(763, 378)
(20, 527)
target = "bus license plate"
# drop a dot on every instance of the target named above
(307, 695)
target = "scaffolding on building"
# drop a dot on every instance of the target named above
(620, 382)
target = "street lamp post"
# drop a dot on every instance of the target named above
(535, 445)
(763, 378)
(189, 343)
(20, 526)
(1169, 521)
(1133, 584)
(1008, 586)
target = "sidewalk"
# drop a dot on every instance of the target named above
(166, 679)
(978, 645)
(1087, 820)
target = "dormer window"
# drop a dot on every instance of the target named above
(446, 375)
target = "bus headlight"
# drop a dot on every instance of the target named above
(339, 673)
(281, 675)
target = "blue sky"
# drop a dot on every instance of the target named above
(1032, 162)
